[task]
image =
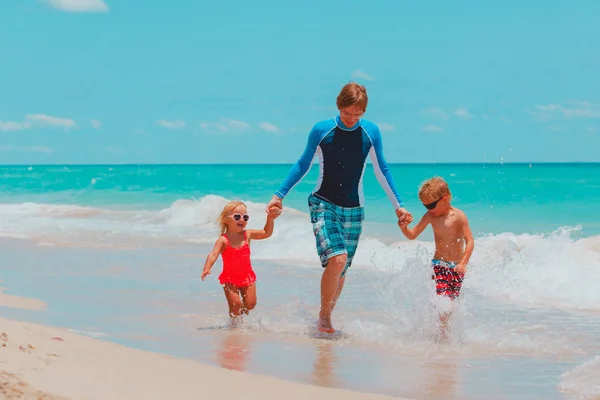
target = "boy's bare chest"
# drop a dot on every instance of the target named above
(445, 224)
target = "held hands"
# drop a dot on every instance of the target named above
(404, 217)
(275, 202)
(273, 212)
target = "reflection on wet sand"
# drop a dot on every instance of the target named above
(443, 381)
(324, 366)
(234, 351)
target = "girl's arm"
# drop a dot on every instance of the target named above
(213, 255)
(267, 231)
(413, 233)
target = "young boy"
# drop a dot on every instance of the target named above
(453, 240)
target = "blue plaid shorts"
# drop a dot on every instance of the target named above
(337, 229)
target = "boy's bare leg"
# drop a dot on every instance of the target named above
(330, 290)
(444, 323)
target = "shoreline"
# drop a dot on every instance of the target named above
(289, 164)
(50, 363)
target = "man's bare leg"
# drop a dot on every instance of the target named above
(330, 290)
(339, 292)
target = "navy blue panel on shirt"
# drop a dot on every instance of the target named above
(343, 153)
(343, 157)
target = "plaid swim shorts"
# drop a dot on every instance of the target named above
(337, 229)
(447, 282)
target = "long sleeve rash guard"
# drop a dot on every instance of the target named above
(342, 156)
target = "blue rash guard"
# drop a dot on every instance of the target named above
(342, 155)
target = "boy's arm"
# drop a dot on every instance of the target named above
(469, 244)
(413, 233)
(212, 256)
(267, 231)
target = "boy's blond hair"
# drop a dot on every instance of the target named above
(353, 94)
(434, 188)
(229, 207)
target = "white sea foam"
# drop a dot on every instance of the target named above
(556, 270)
(583, 382)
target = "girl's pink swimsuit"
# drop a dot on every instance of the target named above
(237, 268)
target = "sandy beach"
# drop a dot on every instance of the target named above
(42, 362)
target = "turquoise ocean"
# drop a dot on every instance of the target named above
(116, 252)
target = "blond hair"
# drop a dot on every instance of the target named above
(353, 94)
(434, 188)
(227, 210)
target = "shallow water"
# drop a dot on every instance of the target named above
(148, 298)
(116, 252)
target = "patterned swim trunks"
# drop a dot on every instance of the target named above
(447, 281)
(337, 229)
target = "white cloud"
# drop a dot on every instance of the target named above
(575, 109)
(506, 120)
(386, 127)
(436, 113)
(432, 128)
(235, 124)
(358, 74)
(79, 5)
(8, 126)
(48, 120)
(225, 125)
(32, 121)
(268, 127)
(36, 149)
(95, 124)
(463, 113)
(173, 125)
(114, 150)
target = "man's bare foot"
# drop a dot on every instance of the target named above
(324, 325)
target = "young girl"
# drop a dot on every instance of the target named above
(238, 278)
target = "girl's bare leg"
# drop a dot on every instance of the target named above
(234, 301)
(249, 297)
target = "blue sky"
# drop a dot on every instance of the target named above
(106, 81)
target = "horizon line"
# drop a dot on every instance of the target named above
(292, 163)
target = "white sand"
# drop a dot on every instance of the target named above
(7, 300)
(41, 362)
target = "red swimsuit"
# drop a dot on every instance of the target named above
(237, 268)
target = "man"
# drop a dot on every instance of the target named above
(336, 204)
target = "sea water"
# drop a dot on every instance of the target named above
(116, 251)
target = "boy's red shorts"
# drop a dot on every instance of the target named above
(447, 281)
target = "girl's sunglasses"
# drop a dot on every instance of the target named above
(237, 217)
(431, 206)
